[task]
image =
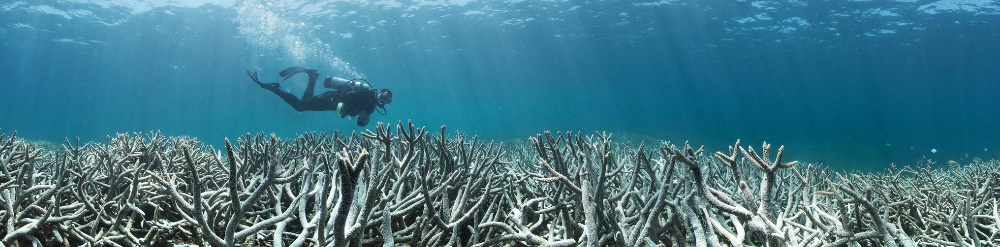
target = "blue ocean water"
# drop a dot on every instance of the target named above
(855, 85)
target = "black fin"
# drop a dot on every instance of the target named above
(253, 76)
(290, 71)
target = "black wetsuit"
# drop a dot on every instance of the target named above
(357, 100)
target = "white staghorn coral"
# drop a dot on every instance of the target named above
(404, 186)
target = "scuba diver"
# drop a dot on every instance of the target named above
(354, 97)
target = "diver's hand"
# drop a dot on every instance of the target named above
(363, 120)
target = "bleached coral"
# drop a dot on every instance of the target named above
(405, 186)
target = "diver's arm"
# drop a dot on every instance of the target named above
(365, 113)
(364, 117)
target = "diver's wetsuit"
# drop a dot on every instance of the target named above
(357, 100)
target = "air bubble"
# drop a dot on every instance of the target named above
(270, 33)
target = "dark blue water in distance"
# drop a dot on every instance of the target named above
(856, 85)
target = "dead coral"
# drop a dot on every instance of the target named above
(405, 186)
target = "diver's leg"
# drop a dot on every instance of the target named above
(313, 75)
(290, 99)
(312, 85)
(275, 88)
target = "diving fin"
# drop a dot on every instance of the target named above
(269, 86)
(290, 71)
(253, 76)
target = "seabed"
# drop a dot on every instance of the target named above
(405, 186)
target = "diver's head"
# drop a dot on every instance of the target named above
(384, 96)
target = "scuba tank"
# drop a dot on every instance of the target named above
(345, 84)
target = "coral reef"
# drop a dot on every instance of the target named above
(410, 187)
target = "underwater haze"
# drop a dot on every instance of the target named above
(856, 85)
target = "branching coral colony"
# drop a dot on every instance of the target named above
(413, 188)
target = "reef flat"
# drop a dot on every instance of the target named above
(405, 186)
